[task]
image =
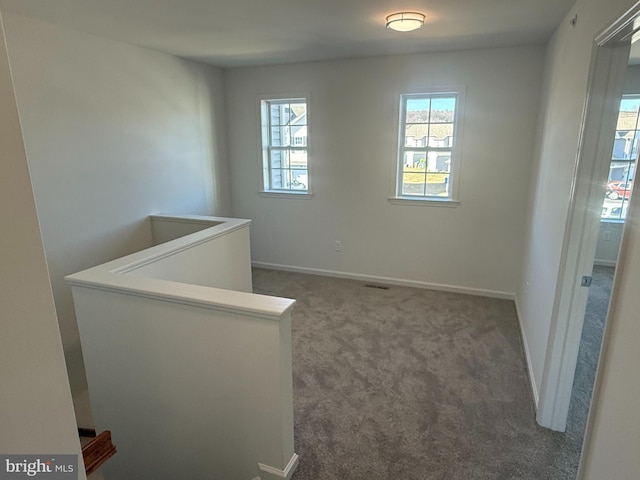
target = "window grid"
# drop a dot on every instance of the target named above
(285, 157)
(623, 160)
(427, 136)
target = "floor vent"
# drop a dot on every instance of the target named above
(373, 285)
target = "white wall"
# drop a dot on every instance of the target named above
(201, 385)
(220, 262)
(632, 80)
(564, 91)
(113, 132)
(36, 410)
(193, 392)
(353, 117)
(165, 228)
(608, 243)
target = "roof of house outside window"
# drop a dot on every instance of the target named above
(435, 130)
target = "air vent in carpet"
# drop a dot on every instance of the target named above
(373, 285)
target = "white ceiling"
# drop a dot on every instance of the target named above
(251, 32)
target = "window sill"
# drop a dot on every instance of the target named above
(612, 220)
(424, 202)
(276, 194)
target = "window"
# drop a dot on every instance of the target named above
(285, 159)
(427, 154)
(623, 159)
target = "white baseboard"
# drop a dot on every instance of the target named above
(388, 280)
(276, 472)
(527, 355)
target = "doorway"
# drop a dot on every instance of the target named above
(615, 204)
(601, 138)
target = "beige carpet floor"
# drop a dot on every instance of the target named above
(411, 384)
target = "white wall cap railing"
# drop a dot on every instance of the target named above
(204, 219)
(112, 276)
(220, 226)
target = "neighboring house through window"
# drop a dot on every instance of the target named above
(623, 159)
(428, 157)
(285, 159)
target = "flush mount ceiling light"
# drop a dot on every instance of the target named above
(405, 21)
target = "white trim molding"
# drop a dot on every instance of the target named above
(481, 292)
(527, 356)
(286, 472)
(426, 202)
(265, 146)
(113, 277)
(459, 92)
(600, 112)
(285, 194)
(605, 263)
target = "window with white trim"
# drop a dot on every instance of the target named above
(623, 160)
(427, 153)
(285, 159)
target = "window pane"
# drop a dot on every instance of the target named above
(280, 114)
(286, 155)
(280, 158)
(275, 136)
(280, 136)
(298, 114)
(625, 145)
(634, 146)
(274, 114)
(413, 183)
(298, 158)
(440, 162)
(298, 135)
(438, 184)
(616, 190)
(285, 162)
(277, 160)
(286, 114)
(623, 160)
(441, 135)
(626, 121)
(288, 170)
(621, 171)
(278, 178)
(442, 109)
(615, 209)
(429, 130)
(620, 145)
(415, 135)
(417, 110)
(415, 161)
(630, 105)
(299, 179)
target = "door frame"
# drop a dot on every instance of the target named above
(606, 78)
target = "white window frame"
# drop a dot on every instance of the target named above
(265, 188)
(453, 200)
(624, 204)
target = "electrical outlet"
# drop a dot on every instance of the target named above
(606, 236)
(338, 246)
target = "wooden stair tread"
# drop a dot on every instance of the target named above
(96, 450)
